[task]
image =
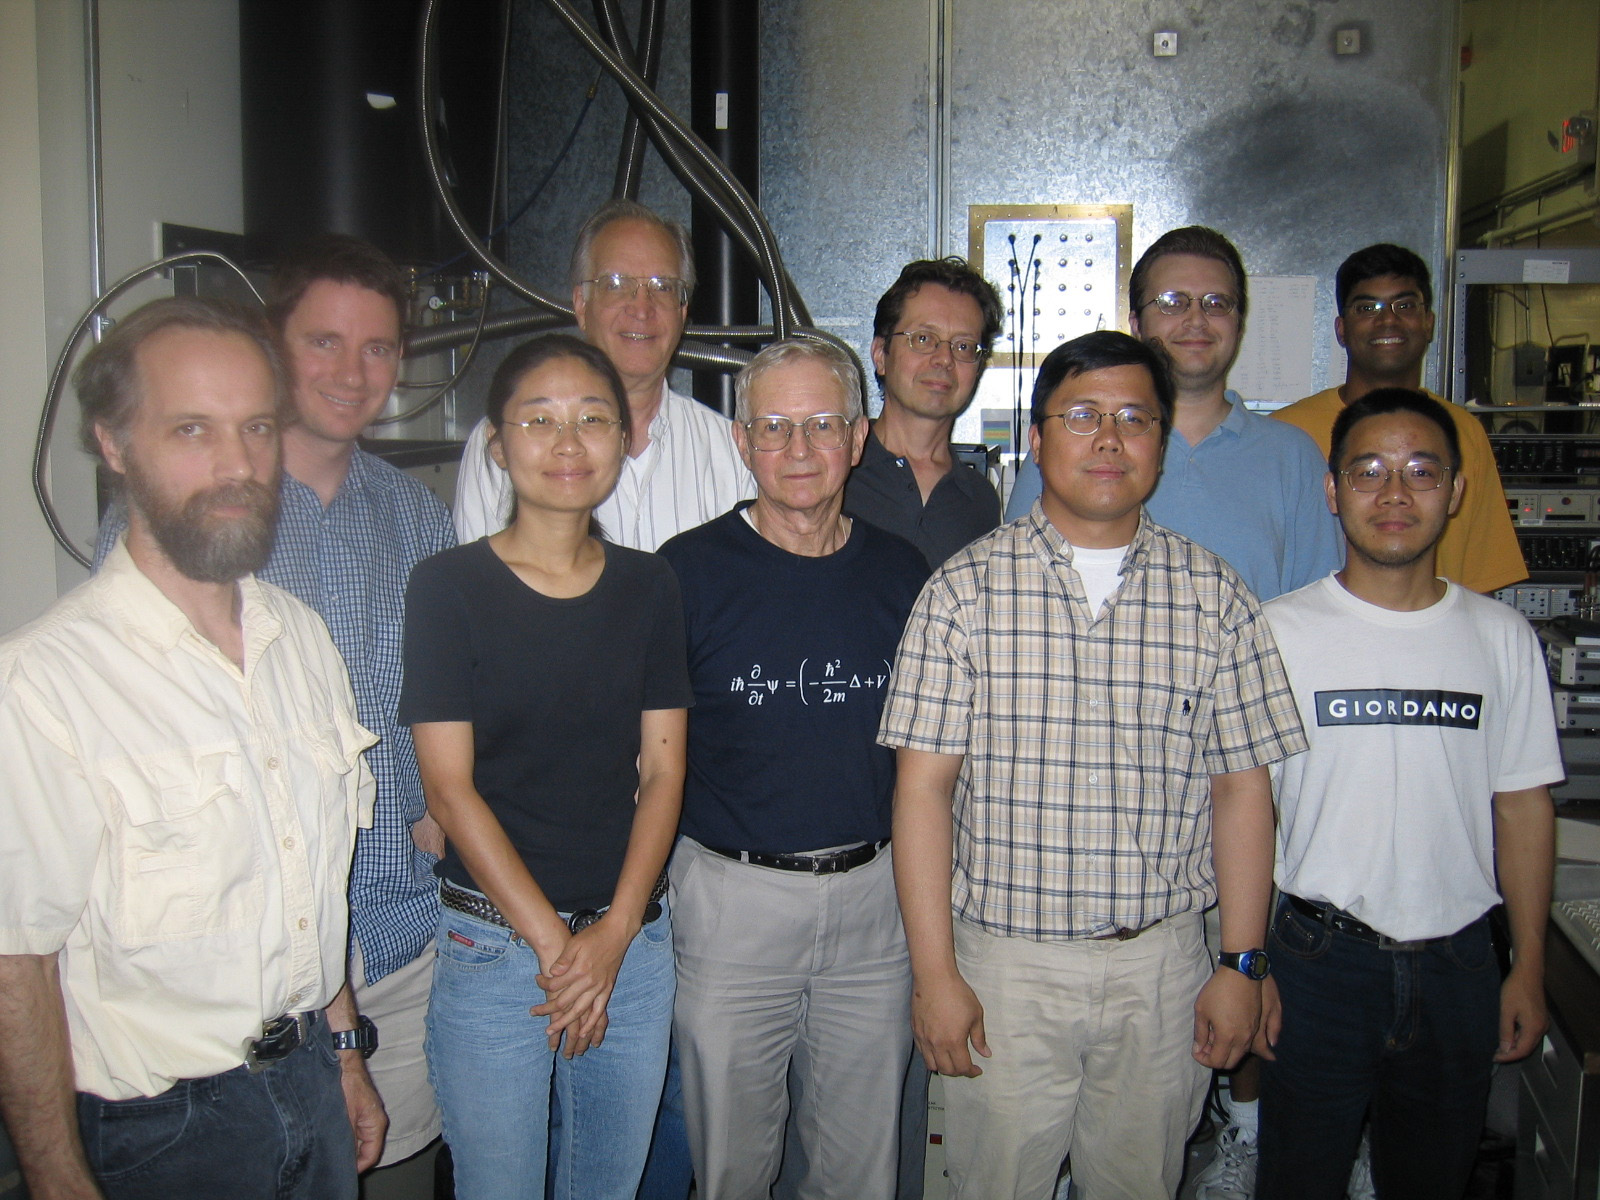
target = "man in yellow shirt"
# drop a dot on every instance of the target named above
(1385, 325)
(184, 783)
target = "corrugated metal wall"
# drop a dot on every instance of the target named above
(1256, 126)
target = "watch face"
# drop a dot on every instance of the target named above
(582, 919)
(1253, 963)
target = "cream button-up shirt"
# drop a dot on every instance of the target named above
(178, 830)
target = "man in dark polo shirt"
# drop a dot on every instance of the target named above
(931, 336)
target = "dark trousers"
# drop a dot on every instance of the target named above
(1408, 1033)
(282, 1134)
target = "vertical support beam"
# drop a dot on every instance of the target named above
(725, 110)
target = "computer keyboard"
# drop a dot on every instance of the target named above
(1580, 921)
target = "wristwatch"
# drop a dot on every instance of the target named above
(1253, 964)
(364, 1037)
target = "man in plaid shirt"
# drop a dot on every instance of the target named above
(1082, 699)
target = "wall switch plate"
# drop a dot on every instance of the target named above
(1166, 44)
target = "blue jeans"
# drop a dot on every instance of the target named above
(493, 1071)
(668, 1171)
(1409, 1032)
(278, 1134)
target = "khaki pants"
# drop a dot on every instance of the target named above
(779, 970)
(1091, 1057)
(398, 1005)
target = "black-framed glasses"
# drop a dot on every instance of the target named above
(921, 341)
(662, 289)
(1418, 475)
(825, 431)
(591, 428)
(1404, 307)
(1175, 304)
(1131, 422)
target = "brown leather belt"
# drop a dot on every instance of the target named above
(1124, 934)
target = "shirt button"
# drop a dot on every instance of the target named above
(304, 923)
(1093, 777)
(288, 843)
(272, 763)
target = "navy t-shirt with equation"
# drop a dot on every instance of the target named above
(790, 657)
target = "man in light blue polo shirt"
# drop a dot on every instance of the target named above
(1231, 480)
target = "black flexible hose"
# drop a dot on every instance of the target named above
(787, 310)
(647, 59)
(58, 379)
(428, 101)
(710, 188)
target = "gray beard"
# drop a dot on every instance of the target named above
(200, 547)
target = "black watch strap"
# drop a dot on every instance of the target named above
(364, 1037)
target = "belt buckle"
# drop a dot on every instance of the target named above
(1385, 942)
(280, 1037)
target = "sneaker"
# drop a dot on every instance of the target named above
(1231, 1174)
(1361, 1174)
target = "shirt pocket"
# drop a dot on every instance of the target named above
(187, 862)
(341, 763)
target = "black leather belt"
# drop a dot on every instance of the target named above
(836, 863)
(461, 900)
(1337, 918)
(1123, 934)
(280, 1037)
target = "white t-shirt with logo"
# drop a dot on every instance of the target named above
(1415, 720)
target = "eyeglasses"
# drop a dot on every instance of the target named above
(661, 289)
(1085, 421)
(1175, 304)
(1402, 308)
(825, 431)
(591, 428)
(1370, 475)
(920, 341)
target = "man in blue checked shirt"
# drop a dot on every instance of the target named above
(350, 529)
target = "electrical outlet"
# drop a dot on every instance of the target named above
(1528, 365)
(1166, 44)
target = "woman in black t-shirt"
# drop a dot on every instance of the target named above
(546, 687)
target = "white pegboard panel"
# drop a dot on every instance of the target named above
(1061, 270)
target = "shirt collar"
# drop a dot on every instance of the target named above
(875, 454)
(661, 426)
(147, 613)
(357, 477)
(1238, 416)
(1051, 546)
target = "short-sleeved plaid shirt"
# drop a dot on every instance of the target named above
(1084, 802)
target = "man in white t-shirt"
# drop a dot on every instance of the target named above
(631, 276)
(1422, 802)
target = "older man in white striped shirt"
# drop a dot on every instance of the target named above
(631, 276)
